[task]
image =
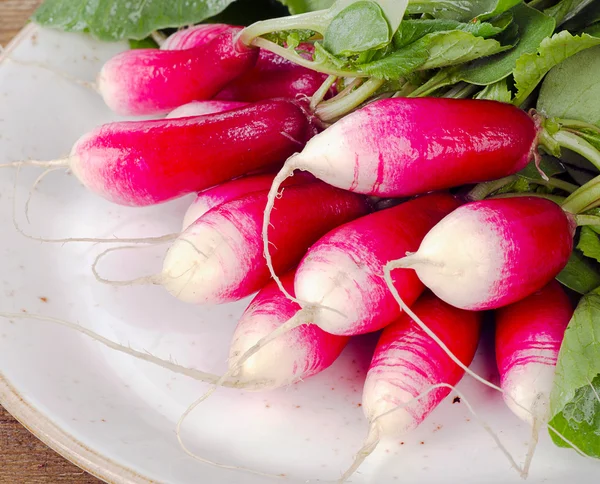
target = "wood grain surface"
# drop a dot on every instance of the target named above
(23, 458)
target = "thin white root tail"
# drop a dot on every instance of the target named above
(141, 355)
(138, 281)
(535, 435)
(95, 240)
(80, 82)
(37, 181)
(369, 445)
(374, 435)
(60, 163)
(299, 319)
(286, 172)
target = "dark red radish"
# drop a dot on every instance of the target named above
(152, 81)
(195, 36)
(217, 195)
(491, 253)
(344, 269)
(146, 162)
(273, 76)
(200, 108)
(407, 363)
(302, 352)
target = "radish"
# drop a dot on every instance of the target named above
(274, 76)
(200, 108)
(491, 253)
(402, 146)
(529, 334)
(151, 81)
(271, 77)
(195, 36)
(146, 162)
(231, 190)
(343, 271)
(407, 363)
(304, 351)
(219, 257)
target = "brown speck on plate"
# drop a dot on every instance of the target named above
(456, 400)
(422, 443)
(44, 299)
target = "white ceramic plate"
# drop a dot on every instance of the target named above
(116, 416)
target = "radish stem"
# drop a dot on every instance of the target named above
(585, 196)
(320, 94)
(337, 107)
(571, 141)
(297, 59)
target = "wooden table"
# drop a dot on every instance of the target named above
(23, 458)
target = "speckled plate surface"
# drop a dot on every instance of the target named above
(116, 416)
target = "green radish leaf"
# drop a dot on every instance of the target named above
(457, 47)
(434, 50)
(581, 274)
(575, 402)
(533, 27)
(593, 30)
(147, 43)
(589, 243)
(463, 10)
(360, 27)
(579, 420)
(571, 90)
(302, 6)
(412, 30)
(566, 9)
(498, 91)
(531, 68)
(115, 19)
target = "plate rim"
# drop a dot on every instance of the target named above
(34, 420)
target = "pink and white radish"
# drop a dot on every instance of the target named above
(528, 338)
(200, 108)
(196, 36)
(219, 257)
(491, 253)
(147, 162)
(529, 334)
(401, 146)
(340, 280)
(407, 363)
(219, 194)
(302, 352)
(152, 81)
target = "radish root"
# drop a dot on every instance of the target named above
(374, 435)
(141, 355)
(95, 240)
(37, 181)
(274, 193)
(80, 82)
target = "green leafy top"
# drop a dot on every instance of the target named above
(531, 68)
(572, 88)
(134, 19)
(575, 401)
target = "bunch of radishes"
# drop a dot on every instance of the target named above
(327, 261)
